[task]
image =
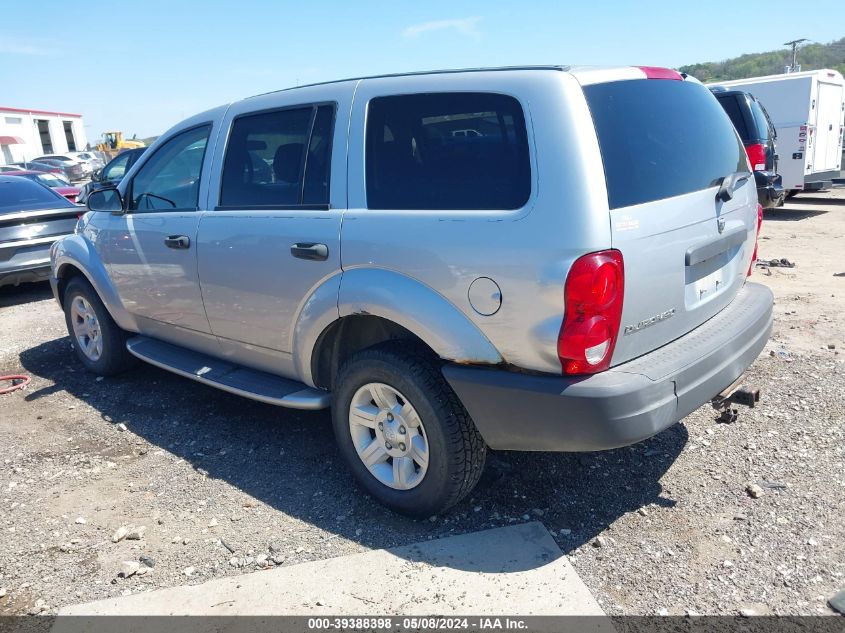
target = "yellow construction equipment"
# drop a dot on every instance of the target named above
(115, 143)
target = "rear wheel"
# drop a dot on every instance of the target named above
(403, 432)
(99, 343)
(792, 193)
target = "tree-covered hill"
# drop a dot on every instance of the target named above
(810, 57)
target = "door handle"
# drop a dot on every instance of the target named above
(177, 241)
(308, 250)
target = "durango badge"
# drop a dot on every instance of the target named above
(657, 318)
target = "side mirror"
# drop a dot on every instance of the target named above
(97, 175)
(105, 200)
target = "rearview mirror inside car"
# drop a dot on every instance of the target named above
(106, 200)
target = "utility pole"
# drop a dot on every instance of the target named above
(794, 44)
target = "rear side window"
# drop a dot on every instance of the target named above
(661, 138)
(279, 159)
(447, 151)
(761, 122)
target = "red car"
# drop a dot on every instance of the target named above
(48, 180)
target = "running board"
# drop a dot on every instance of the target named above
(249, 383)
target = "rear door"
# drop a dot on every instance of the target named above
(666, 146)
(827, 153)
(272, 234)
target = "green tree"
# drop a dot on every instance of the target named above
(810, 57)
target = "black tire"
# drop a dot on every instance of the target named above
(114, 358)
(456, 449)
(791, 193)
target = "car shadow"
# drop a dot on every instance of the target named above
(814, 199)
(288, 460)
(790, 214)
(11, 296)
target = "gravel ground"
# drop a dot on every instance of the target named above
(224, 485)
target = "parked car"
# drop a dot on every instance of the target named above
(807, 108)
(93, 161)
(32, 217)
(9, 168)
(111, 174)
(68, 159)
(758, 134)
(426, 287)
(56, 169)
(71, 171)
(49, 180)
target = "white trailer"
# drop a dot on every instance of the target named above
(808, 111)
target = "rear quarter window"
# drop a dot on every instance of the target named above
(439, 151)
(661, 138)
(761, 122)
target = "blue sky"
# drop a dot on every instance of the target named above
(143, 66)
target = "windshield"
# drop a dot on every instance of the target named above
(661, 138)
(21, 194)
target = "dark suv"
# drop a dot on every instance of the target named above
(111, 174)
(758, 134)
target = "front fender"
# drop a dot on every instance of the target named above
(419, 309)
(74, 251)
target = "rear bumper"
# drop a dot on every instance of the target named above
(770, 191)
(24, 275)
(25, 261)
(623, 405)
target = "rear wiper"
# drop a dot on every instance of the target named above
(729, 183)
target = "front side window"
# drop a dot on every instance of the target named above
(279, 159)
(170, 179)
(447, 151)
(116, 168)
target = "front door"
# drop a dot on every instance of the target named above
(152, 255)
(274, 234)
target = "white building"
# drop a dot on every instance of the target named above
(26, 134)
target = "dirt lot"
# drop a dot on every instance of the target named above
(224, 485)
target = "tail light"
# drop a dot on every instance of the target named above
(756, 238)
(593, 296)
(756, 156)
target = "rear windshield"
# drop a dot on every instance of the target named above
(732, 106)
(661, 138)
(21, 194)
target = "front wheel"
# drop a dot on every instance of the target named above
(403, 432)
(99, 343)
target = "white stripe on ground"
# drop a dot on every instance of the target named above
(517, 570)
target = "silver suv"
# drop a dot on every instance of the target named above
(545, 258)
